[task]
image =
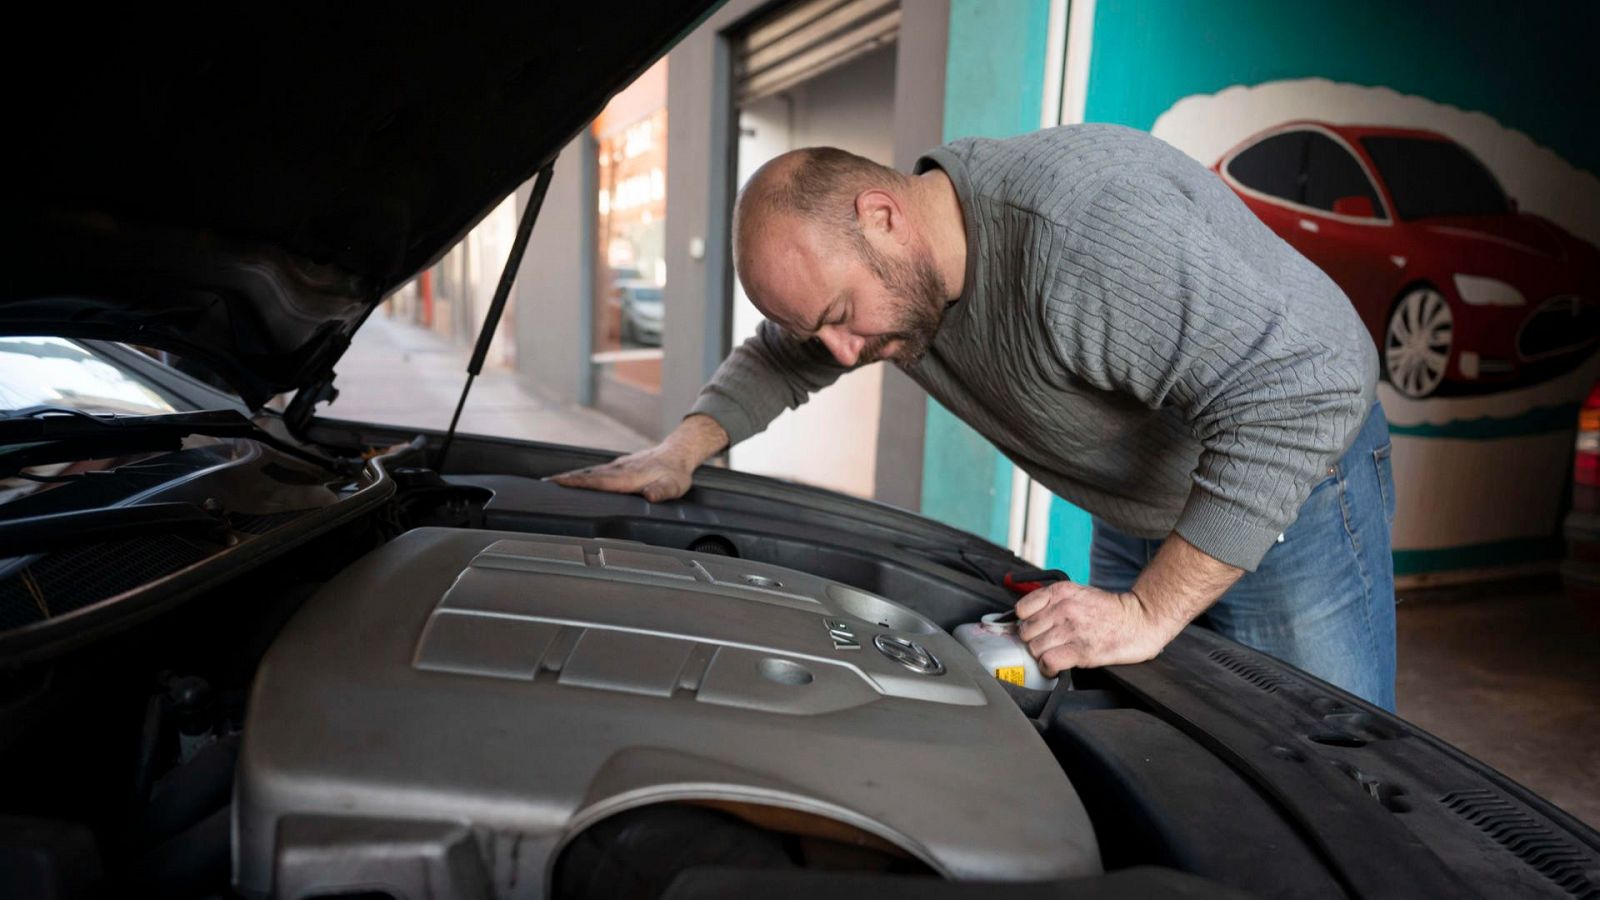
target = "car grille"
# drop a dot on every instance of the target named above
(1561, 324)
(1262, 676)
(1535, 843)
(72, 579)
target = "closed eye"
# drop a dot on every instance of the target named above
(844, 316)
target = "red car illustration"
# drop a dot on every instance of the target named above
(1453, 282)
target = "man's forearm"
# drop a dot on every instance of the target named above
(1181, 583)
(768, 373)
(696, 439)
(1068, 625)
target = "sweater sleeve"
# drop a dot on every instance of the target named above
(1261, 354)
(768, 373)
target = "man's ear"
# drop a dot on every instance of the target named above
(881, 215)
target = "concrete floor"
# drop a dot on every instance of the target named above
(1508, 674)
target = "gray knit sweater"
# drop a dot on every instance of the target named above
(1129, 334)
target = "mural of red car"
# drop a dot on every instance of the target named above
(1455, 284)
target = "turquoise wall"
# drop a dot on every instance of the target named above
(1531, 67)
(994, 86)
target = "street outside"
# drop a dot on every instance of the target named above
(401, 374)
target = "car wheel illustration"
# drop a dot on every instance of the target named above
(1416, 345)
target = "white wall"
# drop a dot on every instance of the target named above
(831, 441)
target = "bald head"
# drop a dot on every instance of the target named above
(833, 246)
(815, 187)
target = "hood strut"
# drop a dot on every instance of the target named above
(497, 306)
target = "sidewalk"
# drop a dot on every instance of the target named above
(400, 374)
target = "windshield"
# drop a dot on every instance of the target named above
(651, 294)
(1429, 178)
(48, 371)
(60, 373)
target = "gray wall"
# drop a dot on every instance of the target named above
(552, 306)
(847, 106)
(699, 200)
(831, 441)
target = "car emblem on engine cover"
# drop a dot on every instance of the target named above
(843, 637)
(908, 653)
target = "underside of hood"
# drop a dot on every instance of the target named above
(242, 187)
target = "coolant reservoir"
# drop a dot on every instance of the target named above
(994, 641)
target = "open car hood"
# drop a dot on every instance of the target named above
(243, 187)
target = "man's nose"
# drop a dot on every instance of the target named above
(845, 347)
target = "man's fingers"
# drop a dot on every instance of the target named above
(1051, 639)
(1051, 594)
(580, 478)
(601, 478)
(1032, 603)
(1059, 660)
(659, 490)
(1028, 629)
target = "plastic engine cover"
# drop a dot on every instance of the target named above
(505, 691)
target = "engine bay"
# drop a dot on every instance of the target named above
(479, 684)
(533, 686)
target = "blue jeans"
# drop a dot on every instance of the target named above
(1323, 597)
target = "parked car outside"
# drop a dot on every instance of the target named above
(1454, 283)
(641, 313)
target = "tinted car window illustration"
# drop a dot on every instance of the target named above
(1273, 166)
(1435, 178)
(1332, 174)
(1458, 288)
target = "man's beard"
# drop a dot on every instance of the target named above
(919, 305)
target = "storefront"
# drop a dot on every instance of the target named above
(630, 145)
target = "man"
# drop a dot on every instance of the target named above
(1107, 313)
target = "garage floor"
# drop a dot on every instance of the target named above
(1511, 676)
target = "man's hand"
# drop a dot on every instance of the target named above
(1070, 625)
(659, 473)
(655, 475)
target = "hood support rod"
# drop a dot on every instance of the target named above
(497, 306)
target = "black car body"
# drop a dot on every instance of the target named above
(227, 662)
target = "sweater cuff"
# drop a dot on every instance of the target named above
(1215, 528)
(725, 412)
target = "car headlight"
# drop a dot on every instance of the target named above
(1476, 290)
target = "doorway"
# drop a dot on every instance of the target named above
(819, 73)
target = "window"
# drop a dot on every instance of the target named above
(1274, 166)
(1432, 177)
(629, 217)
(1332, 172)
